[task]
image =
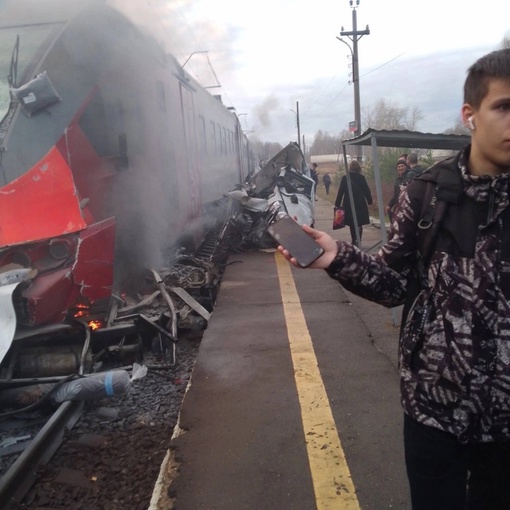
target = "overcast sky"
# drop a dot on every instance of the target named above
(269, 54)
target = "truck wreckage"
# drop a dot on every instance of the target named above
(96, 339)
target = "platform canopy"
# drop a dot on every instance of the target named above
(397, 138)
(409, 139)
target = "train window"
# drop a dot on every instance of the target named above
(214, 143)
(160, 93)
(202, 135)
(224, 141)
(94, 124)
(220, 140)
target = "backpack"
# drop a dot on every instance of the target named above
(443, 186)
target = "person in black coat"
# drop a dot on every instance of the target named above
(404, 176)
(362, 199)
(326, 179)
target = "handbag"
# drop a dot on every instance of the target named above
(338, 218)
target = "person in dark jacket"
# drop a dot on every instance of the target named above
(362, 199)
(455, 342)
(415, 168)
(400, 180)
(326, 179)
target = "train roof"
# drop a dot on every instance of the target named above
(29, 12)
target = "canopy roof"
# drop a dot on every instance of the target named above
(409, 139)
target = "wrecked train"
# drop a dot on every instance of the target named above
(110, 154)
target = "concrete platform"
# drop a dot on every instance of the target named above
(242, 442)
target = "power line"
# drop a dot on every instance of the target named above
(386, 63)
(309, 119)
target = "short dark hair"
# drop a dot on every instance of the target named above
(412, 158)
(494, 65)
(354, 166)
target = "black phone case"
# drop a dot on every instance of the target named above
(295, 240)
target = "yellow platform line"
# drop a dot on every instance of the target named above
(331, 477)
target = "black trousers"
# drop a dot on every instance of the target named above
(353, 235)
(445, 474)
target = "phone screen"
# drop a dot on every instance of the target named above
(295, 240)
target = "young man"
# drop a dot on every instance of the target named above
(415, 168)
(455, 343)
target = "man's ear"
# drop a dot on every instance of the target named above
(467, 117)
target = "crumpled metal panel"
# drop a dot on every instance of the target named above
(93, 271)
(50, 296)
(290, 155)
(40, 204)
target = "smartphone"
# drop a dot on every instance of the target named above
(295, 240)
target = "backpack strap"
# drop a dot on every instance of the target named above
(431, 214)
(443, 185)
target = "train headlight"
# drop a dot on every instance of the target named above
(59, 249)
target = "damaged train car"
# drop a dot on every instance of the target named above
(112, 158)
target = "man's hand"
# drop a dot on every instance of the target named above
(324, 240)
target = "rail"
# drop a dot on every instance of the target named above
(21, 475)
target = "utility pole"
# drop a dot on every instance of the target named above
(355, 35)
(298, 128)
(296, 113)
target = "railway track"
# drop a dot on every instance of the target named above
(18, 479)
(86, 450)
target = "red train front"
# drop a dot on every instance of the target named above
(110, 154)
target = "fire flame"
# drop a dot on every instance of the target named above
(82, 310)
(93, 325)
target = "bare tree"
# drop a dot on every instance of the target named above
(457, 129)
(388, 115)
(413, 117)
(324, 143)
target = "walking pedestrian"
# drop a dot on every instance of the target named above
(326, 179)
(315, 176)
(362, 199)
(455, 338)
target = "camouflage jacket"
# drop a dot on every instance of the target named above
(455, 345)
